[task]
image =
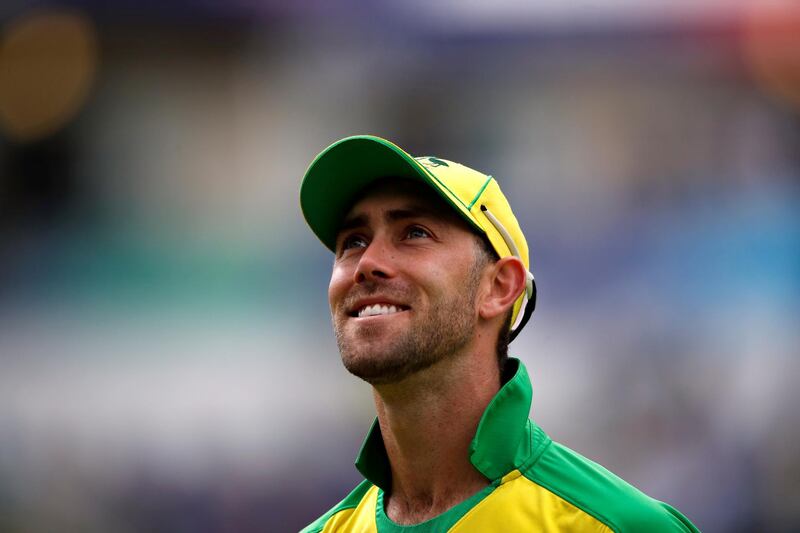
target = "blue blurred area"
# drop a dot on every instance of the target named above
(166, 356)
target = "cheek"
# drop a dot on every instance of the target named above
(454, 280)
(337, 287)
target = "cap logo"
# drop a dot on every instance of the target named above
(432, 162)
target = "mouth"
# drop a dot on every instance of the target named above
(377, 309)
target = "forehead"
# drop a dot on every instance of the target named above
(395, 193)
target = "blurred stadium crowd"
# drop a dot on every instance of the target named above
(166, 358)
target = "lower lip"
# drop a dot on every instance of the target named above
(390, 315)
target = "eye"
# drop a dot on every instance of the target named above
(417, 232)
(353, 241)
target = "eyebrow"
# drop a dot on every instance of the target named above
(393, 215)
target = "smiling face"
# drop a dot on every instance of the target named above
(404, 282)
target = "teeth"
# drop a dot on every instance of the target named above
(377, 309)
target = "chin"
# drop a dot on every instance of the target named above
(375, 372)
(382, 353)
(378, 365)
(364, 359)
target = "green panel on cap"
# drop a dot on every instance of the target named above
(341, 171)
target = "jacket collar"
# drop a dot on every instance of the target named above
(499, 445)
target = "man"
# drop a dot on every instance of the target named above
(429, 278)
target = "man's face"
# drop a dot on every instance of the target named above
(404, 281)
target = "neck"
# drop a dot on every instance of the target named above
(428, 421)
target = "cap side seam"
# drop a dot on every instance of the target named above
(480, 192)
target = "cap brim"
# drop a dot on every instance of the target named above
(341, 171)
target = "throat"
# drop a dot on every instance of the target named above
(404, 509)
(431, 470)
(427, 424)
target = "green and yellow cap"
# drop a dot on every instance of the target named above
(341, 171)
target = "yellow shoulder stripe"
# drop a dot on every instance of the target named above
(360, 519)
(519, 504)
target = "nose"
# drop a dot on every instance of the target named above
(376, 262)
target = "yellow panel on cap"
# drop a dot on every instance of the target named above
(468, 189)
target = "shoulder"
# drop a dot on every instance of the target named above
(350, 502)
(598, 492)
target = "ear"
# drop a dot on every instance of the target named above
(507, 283)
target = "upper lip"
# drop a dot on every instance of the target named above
(355, 308)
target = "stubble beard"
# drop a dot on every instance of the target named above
(447, 328)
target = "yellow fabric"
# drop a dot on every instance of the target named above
(360, 519)
(519, 504)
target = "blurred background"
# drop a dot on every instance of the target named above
(166, 356)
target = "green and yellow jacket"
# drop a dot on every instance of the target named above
(536, 484)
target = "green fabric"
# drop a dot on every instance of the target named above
(338, 174)
(372, 461)
(438, 524)
(499, 445)
(349, 502)
(598, 492)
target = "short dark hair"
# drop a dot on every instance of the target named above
(487, 254)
